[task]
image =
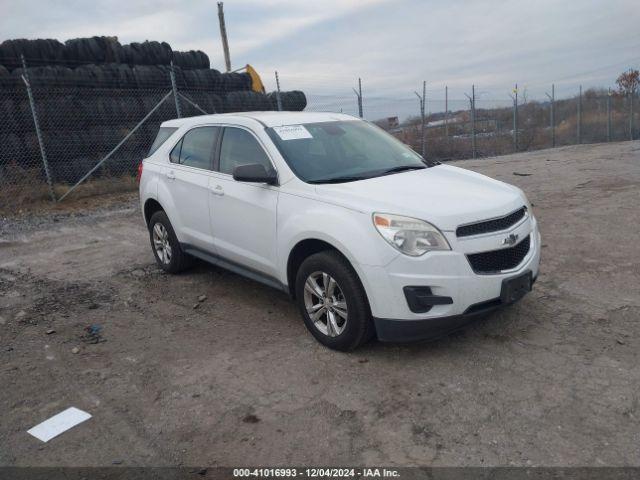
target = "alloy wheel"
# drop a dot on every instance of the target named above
(161, 243)
(325, 303)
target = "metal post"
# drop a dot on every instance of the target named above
(609, 115)
(553, 115)
(446, 112)
(631, 115)
(174, 88)
(359, 97)
(472, 108)
(473, 120)
(422, 99)
(223, 35)
(32, 105)
(278, 99)
(552, 122)
(515, 118)
(580, 116)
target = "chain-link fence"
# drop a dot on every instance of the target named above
(87, 134)
(85, 130)
(479, 126)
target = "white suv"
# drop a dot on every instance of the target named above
(365, 235)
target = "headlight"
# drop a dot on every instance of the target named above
(409, 235)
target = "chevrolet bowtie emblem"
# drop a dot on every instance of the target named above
(510, 240)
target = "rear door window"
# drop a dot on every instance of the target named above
(196, 148)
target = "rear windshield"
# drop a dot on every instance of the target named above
(163, 134)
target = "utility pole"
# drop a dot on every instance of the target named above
(223, 35)
(552, 122)
(580, 116)
(422, 98)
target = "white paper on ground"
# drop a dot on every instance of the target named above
(292, 132)
(59, 423)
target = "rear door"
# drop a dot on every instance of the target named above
(243, 215)
(187, 175)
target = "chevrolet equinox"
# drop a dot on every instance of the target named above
(367, 237)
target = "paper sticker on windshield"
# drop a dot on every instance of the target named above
(292, 132)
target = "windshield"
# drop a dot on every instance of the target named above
(343, 151)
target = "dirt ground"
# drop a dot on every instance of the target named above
(553, 380)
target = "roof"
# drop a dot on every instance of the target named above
(269, 119)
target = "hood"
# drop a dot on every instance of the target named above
(443, 195)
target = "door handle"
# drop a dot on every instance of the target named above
(170, 175)
(217, 190)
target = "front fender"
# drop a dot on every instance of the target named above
(351, 232)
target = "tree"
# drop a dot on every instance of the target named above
(628, 82)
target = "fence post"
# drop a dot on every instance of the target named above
(515, 118)
(472, 107)
(446, 112)
(278, 99)
(32, 106)
(552, 122)
(579, 126)
(422, 99)
(424, 120)
(359, 97)
(609, 115)
(631, 115)
(174, 88)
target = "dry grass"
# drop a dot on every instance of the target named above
(29, 192)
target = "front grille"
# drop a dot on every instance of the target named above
(498, 260)
(494, 225)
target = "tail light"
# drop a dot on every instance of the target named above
(139, 175)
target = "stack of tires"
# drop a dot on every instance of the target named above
(90, 92)
(96, 50)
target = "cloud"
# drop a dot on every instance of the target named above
(323, 47)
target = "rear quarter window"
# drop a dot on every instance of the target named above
(163, 134)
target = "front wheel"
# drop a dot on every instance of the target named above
(333, 302)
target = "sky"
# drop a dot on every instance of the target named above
(323, 47)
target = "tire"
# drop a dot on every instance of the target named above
(178, 260)
(357, 328)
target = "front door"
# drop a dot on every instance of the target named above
(243, 215)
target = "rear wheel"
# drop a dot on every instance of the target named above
(164, 243)
(333, 302)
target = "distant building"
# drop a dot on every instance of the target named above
(388, 123)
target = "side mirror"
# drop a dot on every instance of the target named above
(255, 172)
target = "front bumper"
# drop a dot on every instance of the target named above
(393, 330)
(447, 274)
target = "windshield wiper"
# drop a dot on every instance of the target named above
(337, 179)
(402, 168)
